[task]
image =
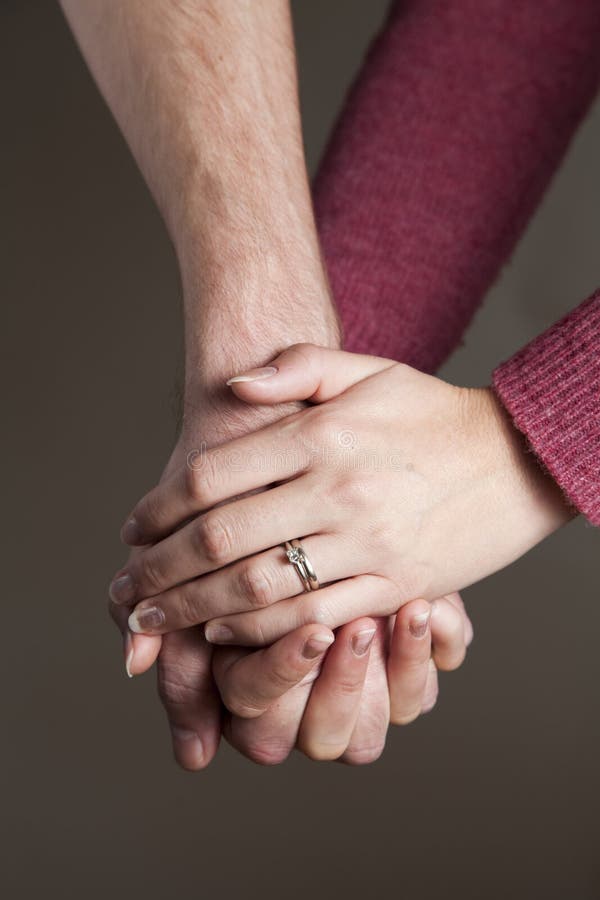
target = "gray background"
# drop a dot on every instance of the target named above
(493, 795)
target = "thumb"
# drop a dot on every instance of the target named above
(306, 372)
(140, 651)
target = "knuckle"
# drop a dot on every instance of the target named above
(201, 479)
(283, 679)
(187, 605)
(353, 490)
(415, 579)
(151, 572)
(309, 353)
(240, 706)
(321, 751)
(320, 426)
(429, 703)
(270, 753)
(451, 660)
(214, 539)
(313, 610)
(257, 633)
(312, 675)
(364, 755)
(176, 689)
(255, 586)
(446, 622)
(412, 666)
(347, 685)
(147, 512)
(405, 717)
(250, 631)
(195, 481)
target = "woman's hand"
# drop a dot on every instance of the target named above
(400, 485)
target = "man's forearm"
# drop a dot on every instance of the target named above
(205, 93)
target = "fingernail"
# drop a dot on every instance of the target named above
(130, 533)
(122, 590)
(316, 645)
(218, 634)
(254, 375)
(128, 649)
(362, 641)
(143, 620)
(418, 625)
(192, 752)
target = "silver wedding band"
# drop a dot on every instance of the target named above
(297, 556)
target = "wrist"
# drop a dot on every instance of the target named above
(536, 493)
(225, 335)
(220, 344)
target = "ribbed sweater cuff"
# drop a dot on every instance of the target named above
(551, 388)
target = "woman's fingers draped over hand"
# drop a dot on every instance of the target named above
(139, 650)
(209, 477)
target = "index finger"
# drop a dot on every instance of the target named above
(209, 477)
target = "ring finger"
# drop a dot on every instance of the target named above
(222, 536)
(248, 585)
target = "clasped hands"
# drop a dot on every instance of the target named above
(403, 489)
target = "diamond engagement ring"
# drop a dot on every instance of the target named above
(297, 556)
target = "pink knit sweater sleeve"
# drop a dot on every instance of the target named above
(551, 388)
(451, 133)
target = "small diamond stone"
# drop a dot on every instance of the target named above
(294, 555)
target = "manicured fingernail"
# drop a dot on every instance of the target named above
(130, 533)
(128, 650)
(146, 619)
(316, 645)
(122, 589)
(362, 641)
(218, 634)
(188, 747)
(418, 625)
(254, 375)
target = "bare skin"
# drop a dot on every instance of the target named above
(447, 495)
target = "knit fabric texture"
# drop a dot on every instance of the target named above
(551, 388)
(448, 138)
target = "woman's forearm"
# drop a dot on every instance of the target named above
(454, 127)
(205, 93)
